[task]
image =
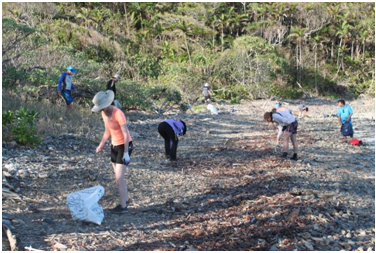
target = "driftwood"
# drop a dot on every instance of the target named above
(32, 249)
(12, 239)
(306, 94)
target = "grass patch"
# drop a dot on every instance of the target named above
(52, 120)
(199, 107)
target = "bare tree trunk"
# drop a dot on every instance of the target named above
(339, 49)
(222, 39)
(316, 86)
(332, 51)
(297, 62)
(189, 55)
(364, 49)
(126, 20)
(301, 62)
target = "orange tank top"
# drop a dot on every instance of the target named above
(113, 125)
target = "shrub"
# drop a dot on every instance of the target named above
(24, 129)
(7, 117)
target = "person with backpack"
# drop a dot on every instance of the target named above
(207, 93)
(111, 85)
(344, 114)
(115, 124)
(170, 129)
(65, 85)
(289, 128)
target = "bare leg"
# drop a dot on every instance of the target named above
(286, 137)
(119, 170)
(294, 143)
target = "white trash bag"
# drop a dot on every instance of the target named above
(212, 109)
(84, 204)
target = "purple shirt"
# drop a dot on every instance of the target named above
(176, 125)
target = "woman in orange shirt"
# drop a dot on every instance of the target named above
(115, 126)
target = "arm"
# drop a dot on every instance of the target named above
(105, 137)
(340, 121)
(279, 133)
(72, 87)
(125, 131)
(348, 119)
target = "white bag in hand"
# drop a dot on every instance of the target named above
(212, 109)
(117, 103)
(84, 204)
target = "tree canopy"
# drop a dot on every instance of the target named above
(244, 50)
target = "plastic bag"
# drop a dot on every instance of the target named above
(84, 205)
(117, 103)
(212, 109)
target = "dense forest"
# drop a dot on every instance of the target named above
(165, 52)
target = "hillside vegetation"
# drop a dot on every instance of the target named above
(167, 51)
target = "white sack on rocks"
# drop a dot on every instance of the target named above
(84, 205)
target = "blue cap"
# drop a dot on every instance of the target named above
(72, 69)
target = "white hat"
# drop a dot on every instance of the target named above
(102, 100)
(206, 85)
(117, 76)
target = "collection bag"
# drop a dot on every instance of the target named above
(84, 206)
(347, 129)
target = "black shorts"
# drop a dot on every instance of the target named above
(292, 128)
(117, 152)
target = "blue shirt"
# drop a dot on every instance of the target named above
(344, 112)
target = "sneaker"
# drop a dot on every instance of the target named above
(119, 210)
(295, 158)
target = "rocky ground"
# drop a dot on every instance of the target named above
(228, 190)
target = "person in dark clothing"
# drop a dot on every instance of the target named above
(170, 129)
(111, 84)
(207, 93)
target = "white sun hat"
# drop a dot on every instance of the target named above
(102, 100)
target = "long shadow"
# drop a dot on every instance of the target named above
(221, 198)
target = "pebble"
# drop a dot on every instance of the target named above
(362, 232)
(11, 167)
(306, 235)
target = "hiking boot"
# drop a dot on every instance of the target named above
(119, 210)
(284, 155)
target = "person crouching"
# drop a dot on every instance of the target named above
(290, 129)
(169, 129)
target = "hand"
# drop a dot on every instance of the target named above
(99, 149)
(126, 159)
(59, 92)
(347, 120)
(341, 124)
